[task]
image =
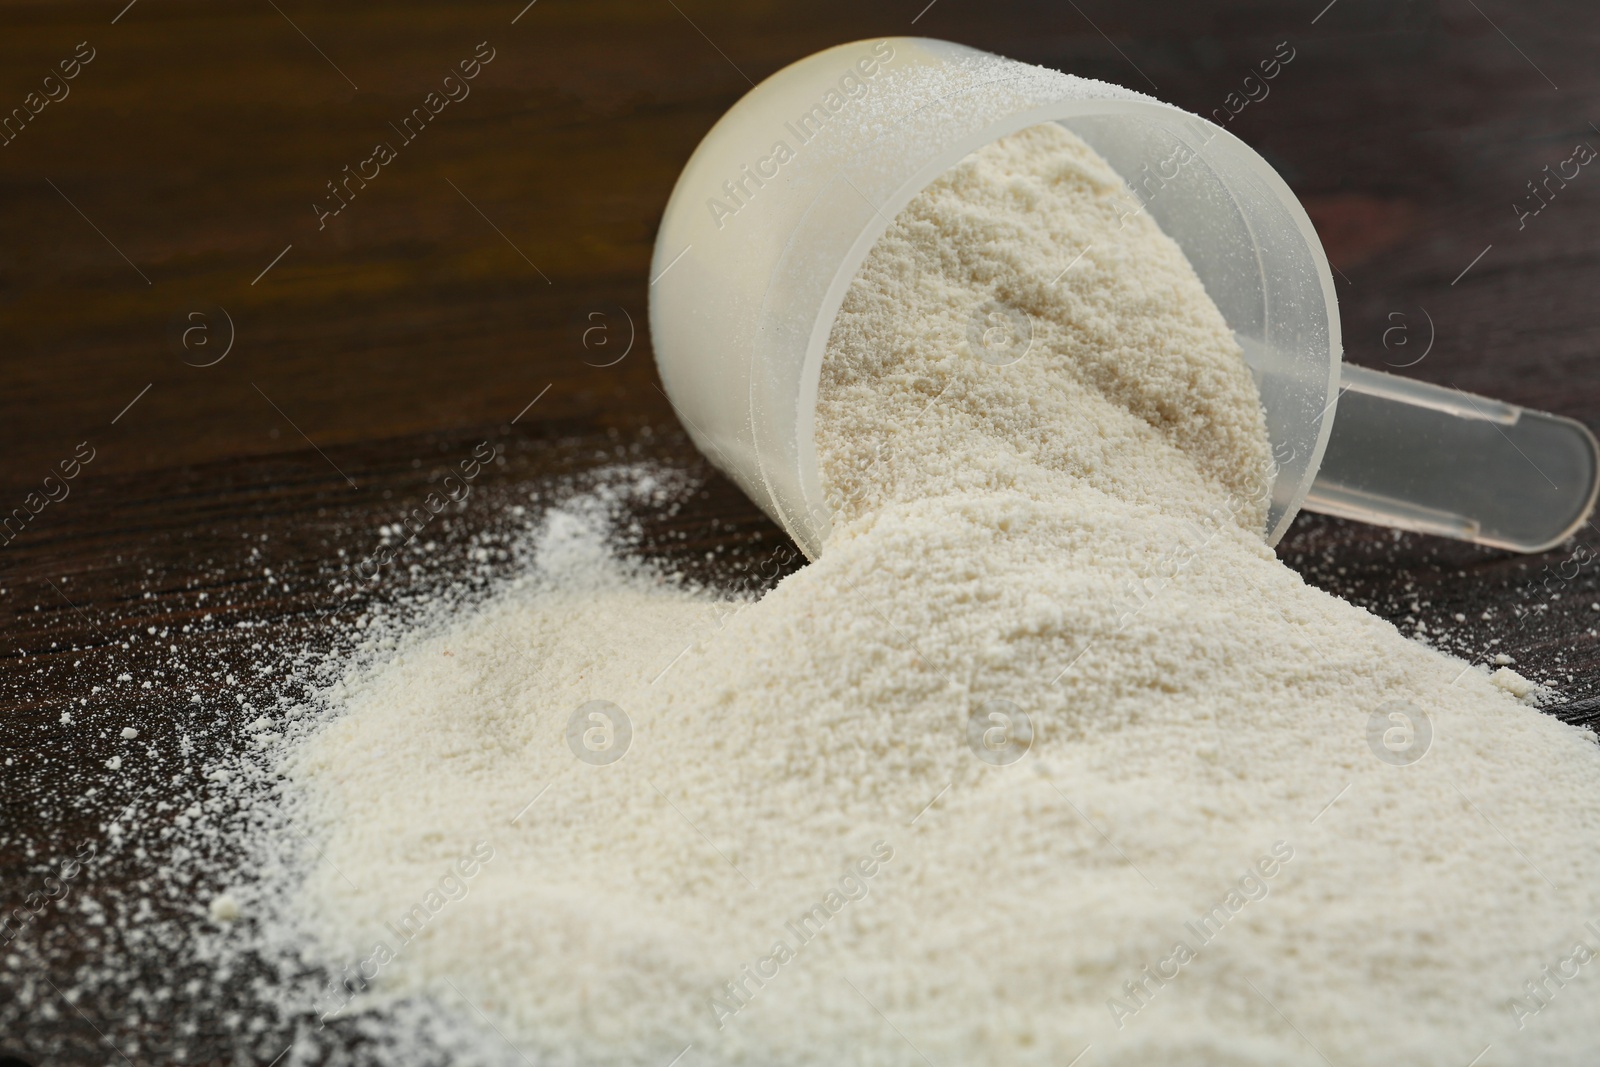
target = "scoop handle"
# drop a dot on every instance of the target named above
(1431, 458)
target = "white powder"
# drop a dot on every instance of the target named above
(801, 858)
(223, 908)
(1132, 382)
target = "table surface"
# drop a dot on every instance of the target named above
(333, 367)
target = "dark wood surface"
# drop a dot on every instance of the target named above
(457, 288)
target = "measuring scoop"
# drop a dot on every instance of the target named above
(778, 207)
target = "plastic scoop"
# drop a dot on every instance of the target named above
(1422, 457)
(778, 207)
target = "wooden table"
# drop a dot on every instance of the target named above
(263, 384)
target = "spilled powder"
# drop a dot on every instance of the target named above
(1045, 757)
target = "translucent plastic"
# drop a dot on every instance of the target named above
(1424, 457)
(781, 202)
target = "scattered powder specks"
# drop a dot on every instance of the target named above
(224, 908)
(1513, 683)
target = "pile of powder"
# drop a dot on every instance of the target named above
(1249, 824)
